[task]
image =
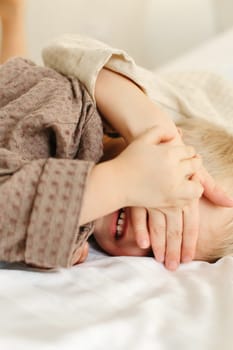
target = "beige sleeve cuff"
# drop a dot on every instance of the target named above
(82, 57)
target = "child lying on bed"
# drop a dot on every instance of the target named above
(171, 234)
(115, 234)
(178, 223)
(51, 190)
(129, 112)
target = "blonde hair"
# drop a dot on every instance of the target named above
(215, 145)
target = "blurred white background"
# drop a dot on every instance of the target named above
(152, 31)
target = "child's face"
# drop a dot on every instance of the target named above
(213, 220)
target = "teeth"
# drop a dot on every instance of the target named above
(120, 224)
(119, 230)
(122, 216)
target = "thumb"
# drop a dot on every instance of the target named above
(212, 191)
(155, 135)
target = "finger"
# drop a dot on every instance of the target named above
(190, 231)
(212, 191)
(85, 252)
(196, 163)
(157, 229)
(156, 135)
(192, 188)
(180, 132)
(187, 152)
(183, 152)
(81, 254)
(138, 217)
(192, 166)
(174, 238)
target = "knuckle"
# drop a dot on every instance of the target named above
(187, 210)
(156, 229)
(174, 234)
(197, 163)
(181, 203)
(191, 150)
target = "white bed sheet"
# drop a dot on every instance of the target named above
(121, 302)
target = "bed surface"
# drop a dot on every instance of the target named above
(124, 303)
(118, 303)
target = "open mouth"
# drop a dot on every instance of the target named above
(120, 224)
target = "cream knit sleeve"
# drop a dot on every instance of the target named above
(78, 56)
(83, 57)
(189, 94)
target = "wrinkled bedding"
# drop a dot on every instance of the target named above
(120, 302)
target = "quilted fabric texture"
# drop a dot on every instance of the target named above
(50, 137)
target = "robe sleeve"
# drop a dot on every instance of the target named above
(40, 204)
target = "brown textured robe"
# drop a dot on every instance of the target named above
(50, 137)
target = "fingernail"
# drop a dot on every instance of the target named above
(186, 259)
(172, 265)
(160, 258)
(144, 243)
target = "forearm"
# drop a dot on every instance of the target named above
(103, 194)
(13, 31)
(126, 107)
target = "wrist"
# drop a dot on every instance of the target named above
(103, 193)
(148, 117)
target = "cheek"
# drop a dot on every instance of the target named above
(123, 248)
(108, 245)
(105, 244)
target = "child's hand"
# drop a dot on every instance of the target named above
(172, 233)
(81, 254)
(157, 174)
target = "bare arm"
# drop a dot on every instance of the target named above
(13, 31)
(126, 107)
(118, 183)
(103, 193)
